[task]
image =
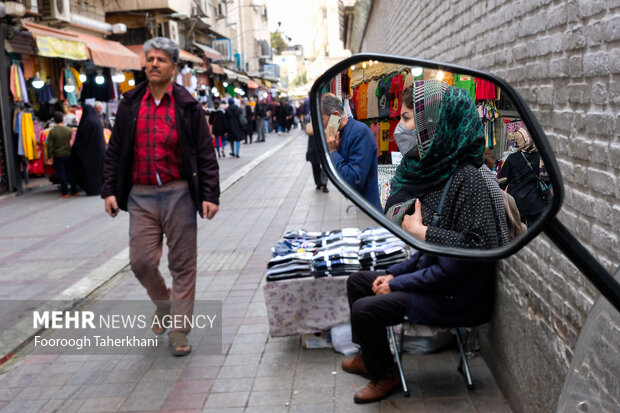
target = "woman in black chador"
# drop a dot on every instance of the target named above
(88, 152)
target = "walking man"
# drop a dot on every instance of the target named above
(160, 166)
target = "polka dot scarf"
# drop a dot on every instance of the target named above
(450, 134)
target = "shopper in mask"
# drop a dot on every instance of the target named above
(442, 149)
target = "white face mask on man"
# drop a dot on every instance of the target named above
(407, 141)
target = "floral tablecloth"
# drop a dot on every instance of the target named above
(306, 305)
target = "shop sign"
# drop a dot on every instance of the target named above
(66, 49)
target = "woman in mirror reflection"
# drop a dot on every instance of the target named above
(520, 175)
(442, 140)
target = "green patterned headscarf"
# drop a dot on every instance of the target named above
(449, 133)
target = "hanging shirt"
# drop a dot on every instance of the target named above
(383, 92)
(396, 88)
(485, 89)
(362, 101)
(465, 82)
(384, 131)
(373, 102)
(376, 131)
(27, 131)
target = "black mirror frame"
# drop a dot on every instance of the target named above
(536, 132)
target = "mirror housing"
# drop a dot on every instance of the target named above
(532, 124)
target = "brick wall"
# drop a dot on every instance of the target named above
(564, 59)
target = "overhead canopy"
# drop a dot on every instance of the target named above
(217, 69)
(107, 53)
(230, 74)
(252, 84)
(210, 53)
(188, 57)
(57, 43)
(68, 44)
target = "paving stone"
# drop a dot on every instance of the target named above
(233, 399)
(106, 404)
(222, 385)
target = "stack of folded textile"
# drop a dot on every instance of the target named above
(338, 254)
(293, 265)
(380, 249)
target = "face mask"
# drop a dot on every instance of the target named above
(407, 141)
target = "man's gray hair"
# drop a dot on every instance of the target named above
(330, 103)
(164, 44)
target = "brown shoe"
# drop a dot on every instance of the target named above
(378, 389)
(355, 365)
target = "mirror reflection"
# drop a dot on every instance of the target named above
(443, 155)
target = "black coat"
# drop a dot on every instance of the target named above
(522, 182)
(88, 152)
(233, 124)
(217, 119)
(251, 125)
(198, 164)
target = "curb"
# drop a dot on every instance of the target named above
(20, 334)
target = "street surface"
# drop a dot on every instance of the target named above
(48, 245)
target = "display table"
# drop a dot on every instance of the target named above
(306, 305)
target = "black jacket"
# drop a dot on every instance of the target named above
(233, 125)
(522, 182)
(198, 164)
(217, 119)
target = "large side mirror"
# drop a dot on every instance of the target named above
(395, 129)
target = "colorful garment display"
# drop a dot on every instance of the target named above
(362, 101)
(383, 96)
(466, 82)
(485, 89)
(396, 89)
(373, 102)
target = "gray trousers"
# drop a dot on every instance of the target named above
(153, 212)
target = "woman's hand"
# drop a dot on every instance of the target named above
(413, 223)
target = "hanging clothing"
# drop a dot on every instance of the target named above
(466, 82)
(28, 137)
(485, 89)
(373, 102)
(383, 97)
(362, 101)
(396, 88)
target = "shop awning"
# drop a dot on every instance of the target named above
(108, 53)
(217, 69)
(188, 57)
(210, 53)
(243, 78)
(252, 84)
(22, 43)
(230, 74)
(57, 43)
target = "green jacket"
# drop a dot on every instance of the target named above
(59, 142)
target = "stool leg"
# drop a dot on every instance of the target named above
(398, 355)
(463, 367)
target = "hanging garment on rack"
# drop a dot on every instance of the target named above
(362, 101)
(383, 96)
(373, 102)
(67, 78)
(485, 89)
(17, 130)
(393, 147)
(409, 79)
(384, 128)
(28, 136)
(22, 84)
(466, 82)
(396, 88)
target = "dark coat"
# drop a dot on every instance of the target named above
(198, 165)
(251, 125)
(312, 153)
(446, 292)
(88, 152)
(217, 119)
(233, 125)
(522, 182)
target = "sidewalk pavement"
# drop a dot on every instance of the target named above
(255, 372)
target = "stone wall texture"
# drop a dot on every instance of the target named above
(563, 57)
